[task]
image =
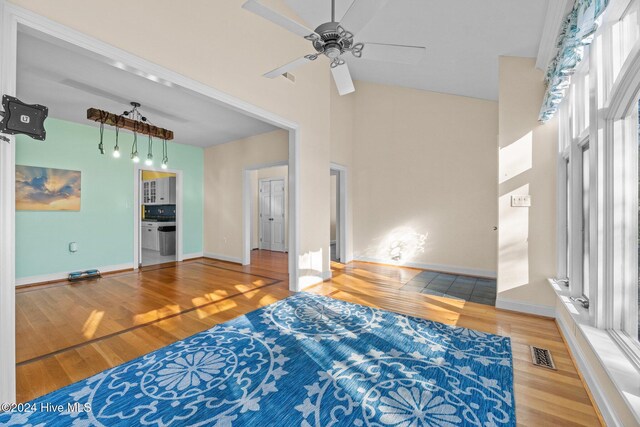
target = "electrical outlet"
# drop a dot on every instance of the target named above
(521, 201)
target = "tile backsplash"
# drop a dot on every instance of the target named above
(165, 212)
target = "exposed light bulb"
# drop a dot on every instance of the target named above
(148, 162)
(164, 165)
(135, 158)
(116, 153)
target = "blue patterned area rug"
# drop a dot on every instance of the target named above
(304, 361)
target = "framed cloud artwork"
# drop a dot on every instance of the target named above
(47, 189)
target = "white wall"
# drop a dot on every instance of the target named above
(528, 155)
(424, 172)
(224, 166)
(281, 172)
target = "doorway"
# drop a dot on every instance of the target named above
(338, 225)
(157, 227)
(267, 205)
(17, 19)
(334, 223)
(271, 210)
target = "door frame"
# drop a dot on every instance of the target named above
(13, 16)
(247, 208)
(342, 226)
(261, 180)
(137, 220)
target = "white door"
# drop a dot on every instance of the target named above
(271, 215)
(265, 214)
(277, 215)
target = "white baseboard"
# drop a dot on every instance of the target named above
(222, 257)
(608, 413)
(436, 267)
(192, 256)
(523, 307)
(22, 281)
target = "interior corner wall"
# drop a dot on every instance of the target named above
(224, 167)
(527, 166)
(103, 228)
(424, 173)
(341, 153)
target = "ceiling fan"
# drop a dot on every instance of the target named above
(334, 39)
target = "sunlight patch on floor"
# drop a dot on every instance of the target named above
(216, 308)
(156, 314)
(91, 325)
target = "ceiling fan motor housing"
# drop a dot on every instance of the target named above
(331, 43)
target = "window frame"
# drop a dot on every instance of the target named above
(604, 117)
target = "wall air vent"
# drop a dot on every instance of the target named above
(542, 357)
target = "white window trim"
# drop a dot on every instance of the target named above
(614, 89)
(612, 138)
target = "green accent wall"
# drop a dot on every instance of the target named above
(103, 228)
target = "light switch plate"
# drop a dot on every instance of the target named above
(521, 201)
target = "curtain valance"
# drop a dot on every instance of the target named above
(576, 32)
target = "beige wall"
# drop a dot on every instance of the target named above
(224, 166)
(342, 142)
(198, 46)
(267, 173)
(528, 154)
(424, 169)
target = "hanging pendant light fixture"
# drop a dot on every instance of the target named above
(134, 146)
(116, 149)
(149, 160)
(134, 121)
(165, 154)
(100, 145)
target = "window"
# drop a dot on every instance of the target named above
(636, 321)
(568, 221)
(585, 221)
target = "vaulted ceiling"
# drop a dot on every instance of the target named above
(464, 39)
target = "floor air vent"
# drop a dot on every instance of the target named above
(542, 357)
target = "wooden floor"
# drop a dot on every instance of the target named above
(67, 332)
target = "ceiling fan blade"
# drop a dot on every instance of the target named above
(342, 78)
(276, 18)
(360, 14)
(287, 67)
(400, 54)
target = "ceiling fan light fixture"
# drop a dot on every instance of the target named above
(334, 39)
(332, 51)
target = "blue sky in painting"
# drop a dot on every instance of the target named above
(46, 185)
